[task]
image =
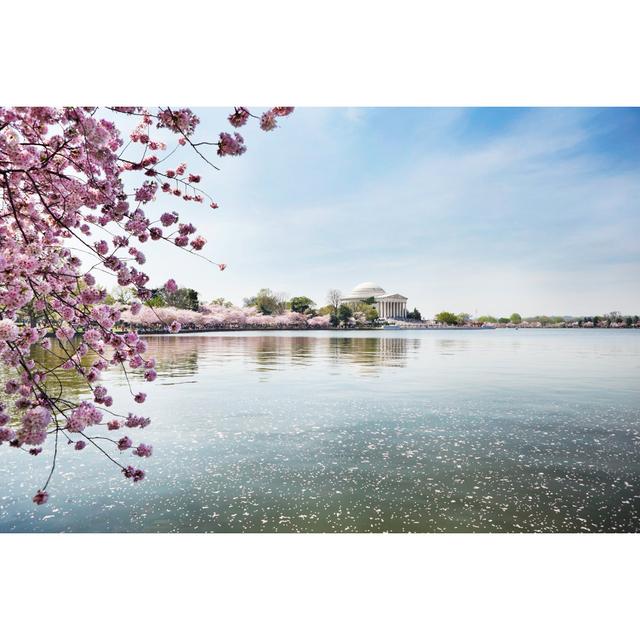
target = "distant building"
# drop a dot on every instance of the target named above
(389, 305)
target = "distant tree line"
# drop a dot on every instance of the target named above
(364, 312)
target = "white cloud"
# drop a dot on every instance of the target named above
(520, 220)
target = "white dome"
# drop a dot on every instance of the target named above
(367, 290)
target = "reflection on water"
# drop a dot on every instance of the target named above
(371, 353)
(177, 356)
(51, 359)
(274, 352)
(355, 431)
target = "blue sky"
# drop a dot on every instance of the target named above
(477, 210)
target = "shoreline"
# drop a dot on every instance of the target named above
(160, 332)
(165, 332)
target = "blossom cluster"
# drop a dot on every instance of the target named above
(218, 317)
(62, 198)
(268, 120)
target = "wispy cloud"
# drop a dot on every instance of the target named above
(497, 210)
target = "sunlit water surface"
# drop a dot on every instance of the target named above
(529, 430)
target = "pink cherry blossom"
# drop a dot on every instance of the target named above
(143, 450)
(74, 196)
(231, 145)
(8, 330)
(135, 474)
(6, 434)
(34, 426)
(178, 120)
(198, 243)
(168, 219)
(239, 117)
(41, 497)
(212, 317)
(268, 121)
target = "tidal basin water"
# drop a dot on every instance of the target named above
(398, 431)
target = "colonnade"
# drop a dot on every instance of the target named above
(392, 309)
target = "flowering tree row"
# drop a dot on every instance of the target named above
(75, 203)
(217, 316)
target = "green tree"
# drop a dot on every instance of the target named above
(369, 310)
(446, 317)
(183, 298)
(344, 313)
(157, 299)
(487, 319)
(414, 315)
(327, 310)
(516, 318)
(503, 320)
(267, 302)
(463, 318)
(371, 314)
(544, 320)
(222, 302)
(301, 304)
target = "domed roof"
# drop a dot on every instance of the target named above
(366, 290)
